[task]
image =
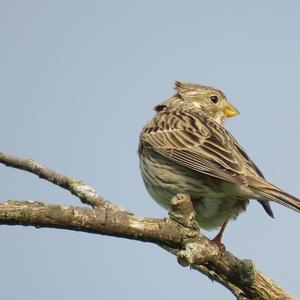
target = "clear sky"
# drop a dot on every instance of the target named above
(79, 79)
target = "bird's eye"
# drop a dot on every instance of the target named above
(214, 99)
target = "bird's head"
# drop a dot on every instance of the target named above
(196, 97)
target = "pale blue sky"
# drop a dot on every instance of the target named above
(78, 81)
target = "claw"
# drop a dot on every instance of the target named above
(220, 245)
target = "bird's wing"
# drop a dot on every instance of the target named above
(201, 144)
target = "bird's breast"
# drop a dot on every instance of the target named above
(215, 200)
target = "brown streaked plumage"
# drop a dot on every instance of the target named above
(185, 148)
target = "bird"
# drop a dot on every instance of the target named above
(184, 148)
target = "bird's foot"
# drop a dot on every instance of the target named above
(217, 241)
(218, 237)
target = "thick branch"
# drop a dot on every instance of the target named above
(99, 220)
(190, 246)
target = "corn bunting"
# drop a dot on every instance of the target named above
(185, 148)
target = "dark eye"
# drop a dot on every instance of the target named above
(214, 99)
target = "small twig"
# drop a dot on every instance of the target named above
(183, 211)
(86, 194)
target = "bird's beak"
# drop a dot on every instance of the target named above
(230, 111)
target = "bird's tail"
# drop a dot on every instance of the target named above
(271, 192)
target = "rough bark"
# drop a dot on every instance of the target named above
(179, 233)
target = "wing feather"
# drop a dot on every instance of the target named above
(199, 143)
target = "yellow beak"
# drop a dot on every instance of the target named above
(230, 111)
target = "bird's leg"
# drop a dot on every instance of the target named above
(218, 237)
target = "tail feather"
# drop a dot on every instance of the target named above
(267, 207)
(275, 194)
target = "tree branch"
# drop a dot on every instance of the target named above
(177, 234)
(86, 194)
